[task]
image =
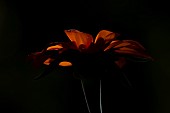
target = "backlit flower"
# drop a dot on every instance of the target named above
(90, 57)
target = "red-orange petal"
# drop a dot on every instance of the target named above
(79, 38)
(55, 47)
(108, 36)
(113, 44)
(132, 52)
(65, 64)
(48, 61)
(38, 58)
(130, 44)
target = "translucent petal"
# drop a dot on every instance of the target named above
(48, 61)
(112, 44)
(65, 63)
(79, 38)
(38, 58)
(108, 36)
(130, 44)
(132, 52)
(55, 47)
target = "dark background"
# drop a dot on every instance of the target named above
(27, 26)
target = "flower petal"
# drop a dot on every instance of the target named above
(61, 46)
(108, 36)
(130, 44)
(48, 61)
(55, 47)
(113, 44)
(65, 63)
(38, 58)
(48, 69)
(99, 45)
(79, 38)
(125, 43)
(132, 52)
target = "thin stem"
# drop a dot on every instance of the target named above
(127, 80)
(100, 97)
(85, 97)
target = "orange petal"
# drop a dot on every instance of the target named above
(79, 38)
(37, 58)
(48, 61)
(116, 44)
(112, 44)
(106, 35)
(99, 45)
(56, 47)
(65, 63)
(130, 44)
(132, 52)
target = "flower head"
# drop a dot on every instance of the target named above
(88, 55)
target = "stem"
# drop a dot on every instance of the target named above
(100, 97)
(127, 80)
(85, 97)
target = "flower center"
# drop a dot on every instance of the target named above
(91, 64)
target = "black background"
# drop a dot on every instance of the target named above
(27, 26)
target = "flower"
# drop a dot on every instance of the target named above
(90, 57)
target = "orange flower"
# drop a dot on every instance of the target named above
(87, 55)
